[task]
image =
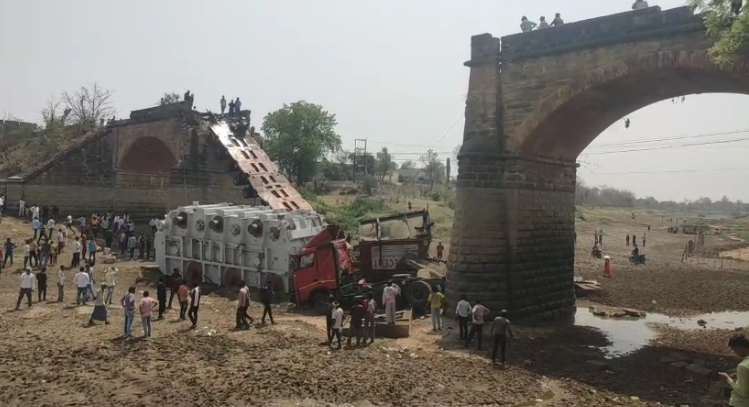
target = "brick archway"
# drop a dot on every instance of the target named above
(562, 125)
(147, 154)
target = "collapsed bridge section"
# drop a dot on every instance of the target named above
(257, 172)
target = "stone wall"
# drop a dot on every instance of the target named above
(540, 197)
(513, 236)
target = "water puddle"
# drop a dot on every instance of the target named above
(629, 334)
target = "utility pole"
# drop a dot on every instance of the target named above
(356, 149)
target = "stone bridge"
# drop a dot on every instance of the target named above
(158, 158)
(535, 101)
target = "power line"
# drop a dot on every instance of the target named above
(642, 141)
(667, 147)
(449, 130)
(614, 144)
(669, 171)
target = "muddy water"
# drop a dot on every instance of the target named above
(630, 334)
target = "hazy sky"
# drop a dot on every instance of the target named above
(391, 70)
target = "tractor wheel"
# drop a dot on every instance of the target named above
(417, 294)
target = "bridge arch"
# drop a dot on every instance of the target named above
(564, 124)
(147, 154)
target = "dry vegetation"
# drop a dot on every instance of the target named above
(66, 120)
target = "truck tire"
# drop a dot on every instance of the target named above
(319, 302)
(417, 294)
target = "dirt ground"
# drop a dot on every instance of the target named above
(51, 357)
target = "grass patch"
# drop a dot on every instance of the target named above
(349, 215)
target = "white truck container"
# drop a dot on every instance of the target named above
(226, 243)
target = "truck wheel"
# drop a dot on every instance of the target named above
(319, 302)
(417, 294)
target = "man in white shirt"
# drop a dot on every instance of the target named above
(110, 280)
(27, 285)
(60, 284)
(337, 317)
(35, 212)
(26, 253)
(76, 253)
(60, 241)
(389, 296)
(463, 312)
(639, 5)
(50, 226)
(82, 282)
(21, 208)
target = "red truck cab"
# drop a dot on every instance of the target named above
(320, 267)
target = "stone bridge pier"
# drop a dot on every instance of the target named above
(535, 101)
(514, 233)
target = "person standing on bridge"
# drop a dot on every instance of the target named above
(223, 104)
(237, 106)
(526, 25)
(639, 5)
(557, 21)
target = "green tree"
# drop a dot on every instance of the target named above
(730, 30)
(384, 163)
(298, 135)
(434, 169)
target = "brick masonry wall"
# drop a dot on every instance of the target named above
(541, 199)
